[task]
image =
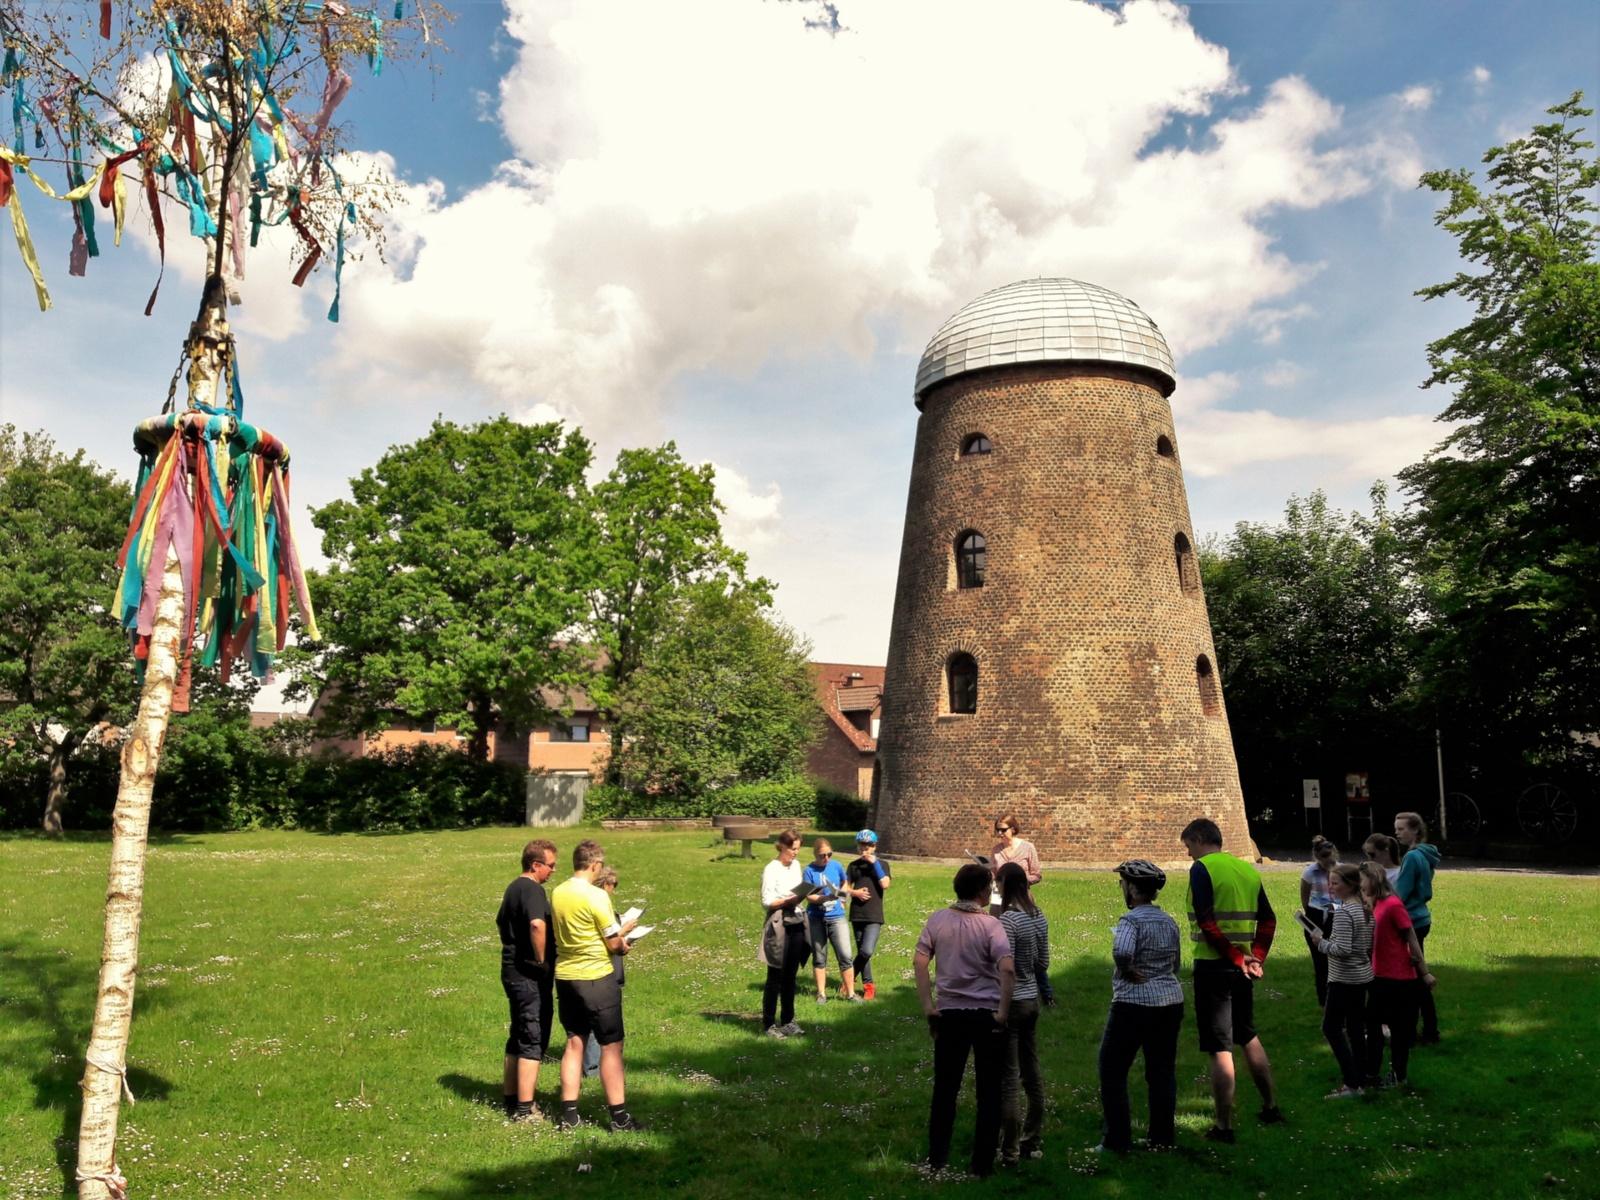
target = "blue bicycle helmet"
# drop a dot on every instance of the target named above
(866, 838)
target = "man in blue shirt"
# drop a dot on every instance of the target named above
(825, 920)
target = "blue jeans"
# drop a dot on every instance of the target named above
(823, 931)
(866, 947)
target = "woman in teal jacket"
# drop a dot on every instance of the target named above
(1414, 886)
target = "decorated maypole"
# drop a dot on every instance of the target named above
(198, 103)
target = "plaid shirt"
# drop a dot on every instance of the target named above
(1146, 941)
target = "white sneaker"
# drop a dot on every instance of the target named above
(791, 1030)
(776, 1031)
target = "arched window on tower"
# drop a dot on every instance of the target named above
(972, 559)
(1188, 570)
(962, 674)
(976, 443)
(1164, 446)
(1210, 694)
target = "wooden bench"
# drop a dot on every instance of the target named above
(745, 834)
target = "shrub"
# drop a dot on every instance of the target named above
(795, 798)
(838, 809)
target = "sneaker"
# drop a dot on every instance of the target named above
(822, 998)
(791, 1030)
(1390, 1081)
(776, 1031)
(1271, 1116)
(1010, 1160)
(1343, 1093)
(569, 1121)
(870, 991)
(1218, 1134)
(1032, 1150)
(853, 999)
(628, 1124)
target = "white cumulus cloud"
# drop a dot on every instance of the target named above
(750, 518)
(1418, 96)
(719, 186)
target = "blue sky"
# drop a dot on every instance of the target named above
(708, 223)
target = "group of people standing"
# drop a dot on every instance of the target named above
(1365, 926)
(566, 946)
(806, 916)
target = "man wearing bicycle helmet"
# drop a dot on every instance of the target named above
(1146, 1011)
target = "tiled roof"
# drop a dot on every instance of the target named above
(857, 699)
(849, 687)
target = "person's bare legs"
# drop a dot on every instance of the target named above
(849, 974)
(1222, 1087)
(822, 982)
(572, 1066)
(1255, 1057)
(612, 1077)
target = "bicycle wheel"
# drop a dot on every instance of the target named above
(1546, 813)
(1465, 820)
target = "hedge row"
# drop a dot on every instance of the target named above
(218, 775)
(797, 798)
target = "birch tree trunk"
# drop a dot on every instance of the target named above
(106, 1061)
(97, 1175)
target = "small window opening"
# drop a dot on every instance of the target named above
(1210, 696)
(976, 443)
(963, 674)
(972, 560)
(1164, 446)
(1188, 571)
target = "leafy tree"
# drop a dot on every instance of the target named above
(723, 698)
(1503, 532)
(457, 578)
(1312, 624)
(63, 661)
(658, 529)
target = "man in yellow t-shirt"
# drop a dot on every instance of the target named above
(588, 995)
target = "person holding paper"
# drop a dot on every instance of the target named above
(589, 998)
(826, 921)
(591, 1051)
(783, 937)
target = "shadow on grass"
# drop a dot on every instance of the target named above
(50, 1003)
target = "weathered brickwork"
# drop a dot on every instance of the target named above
(1090, 723)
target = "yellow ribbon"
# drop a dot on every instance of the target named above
(19, 223)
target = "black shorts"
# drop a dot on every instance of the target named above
(1224, 1007)
(591, 1006)
(528, 1016)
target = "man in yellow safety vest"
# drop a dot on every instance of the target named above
(1231, 925)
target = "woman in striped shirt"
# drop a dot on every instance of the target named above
(1029, 935)
(1348, 947)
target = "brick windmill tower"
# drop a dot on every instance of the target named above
(1050, 654)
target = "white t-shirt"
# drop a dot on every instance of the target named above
(777, 880)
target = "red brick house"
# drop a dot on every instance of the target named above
(852, 697)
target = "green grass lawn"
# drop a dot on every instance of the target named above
(322, 1016)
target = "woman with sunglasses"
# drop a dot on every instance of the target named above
(826, 921)
(1011, 848)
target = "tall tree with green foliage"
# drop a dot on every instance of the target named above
(658, 530)
(63, 660)
(723, 697)
(458, 576)
(1312, 623)
(1505, 508)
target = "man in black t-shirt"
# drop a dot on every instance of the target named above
(867, 879)
(527, 952)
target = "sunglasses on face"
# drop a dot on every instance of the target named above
(1002, 829)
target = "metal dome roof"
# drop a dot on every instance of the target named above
(1046, 320)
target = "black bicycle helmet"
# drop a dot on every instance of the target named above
(1144, 872)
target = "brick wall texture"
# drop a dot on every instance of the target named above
(1091, 722)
